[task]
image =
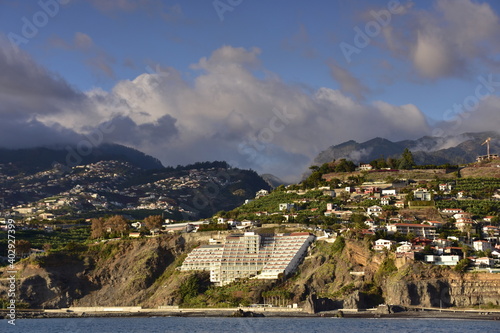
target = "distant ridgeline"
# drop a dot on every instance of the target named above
(454, 149)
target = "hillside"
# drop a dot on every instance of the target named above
(185, 192)
(142, 273)
(33, 160)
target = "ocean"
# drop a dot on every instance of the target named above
(248, 325)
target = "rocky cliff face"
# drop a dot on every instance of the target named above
(421, 285)
(340, 275)
(122, 273)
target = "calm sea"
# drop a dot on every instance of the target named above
(248, 325)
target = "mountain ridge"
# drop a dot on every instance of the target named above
(455, 149)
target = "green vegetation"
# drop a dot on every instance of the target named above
(478, 187)
(41, 239)
(475, 207)
(462, 265)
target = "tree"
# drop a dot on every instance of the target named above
(406, 162)
(98, 229)
(153, 222)
(23, 247)
(117, 224)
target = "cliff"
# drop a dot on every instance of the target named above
(142, 272)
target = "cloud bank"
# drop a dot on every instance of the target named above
(233, 108)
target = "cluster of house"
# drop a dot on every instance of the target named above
(443, 251)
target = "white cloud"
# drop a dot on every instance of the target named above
(225, 113)
(348, 83)
(449, 40)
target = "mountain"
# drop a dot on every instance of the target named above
(31, 160)
(456, 149)
(272, 180)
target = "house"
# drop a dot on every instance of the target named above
(340, 214)
(261, 193)
(330, 193)
(464, 224)
(442, 260)
(365, 167)
(371, 224)
(445, 187)
(461, 195)
(436, 224)
(442, 242)
(483, 262)
(461, 215)
(404, 247)
(389, 192)
(418, 230)
(371, 190)
(381, 244)
(490, 231)
(374, 210)
(385, 201)
(422, 194)
(481, 245)
(400, 204)
(452, 211)
(488, 218)
(286, 206)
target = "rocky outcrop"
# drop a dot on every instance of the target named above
(124, 273)
(436, 287)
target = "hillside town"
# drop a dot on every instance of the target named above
(438, 220)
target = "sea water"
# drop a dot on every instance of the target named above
(247, 325)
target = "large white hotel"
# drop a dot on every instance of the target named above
(250, 255)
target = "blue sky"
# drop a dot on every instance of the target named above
(203, 80)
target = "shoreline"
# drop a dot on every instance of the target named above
(226, 313)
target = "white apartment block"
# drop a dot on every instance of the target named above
(250, 255)
(419, 230)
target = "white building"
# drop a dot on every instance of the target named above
(384, 201)
(286, 206)
(250, 255)
(261, 193)
(442, 260)
(422, 194)
(374, 210)
(381, 244)
(481, 245)
(404, 247)
(419, 230)
(365, 167)
(389, 192)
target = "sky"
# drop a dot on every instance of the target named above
(264, 85)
